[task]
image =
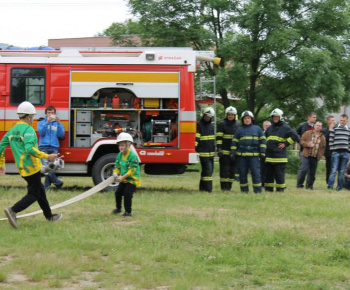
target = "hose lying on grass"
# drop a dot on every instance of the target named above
(77, 198)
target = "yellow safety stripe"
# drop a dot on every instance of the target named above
(246, 154)
(220, 134)
(233, 147)
(198, 135)
(244, 184)
(262, 138)
(206, 154)
(262, 145)
(127, 77)
(280, 185)
(256, 184)
(276, 138)
(209, 137)
(235, 140)
(207, 178)
(276, 160)
(290, 141)
(219, 142)
(249, 138)
(228, 136)
(226, 152)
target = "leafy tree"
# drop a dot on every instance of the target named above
(124, 34)
(291, 54)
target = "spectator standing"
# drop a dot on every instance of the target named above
(51, 130)
(205, 146)
(249, 143)
(327, 152)
(24, 146)
(266, 124)
(306, 126)
(339, 145)
(224, 135)
(279, 136)
(314, 144)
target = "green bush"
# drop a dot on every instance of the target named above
(293, 162)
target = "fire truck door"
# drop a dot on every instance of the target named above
(3, 98)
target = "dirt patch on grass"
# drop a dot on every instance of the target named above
(17, 278)
(6, 259)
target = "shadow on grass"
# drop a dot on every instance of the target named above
(86, 188)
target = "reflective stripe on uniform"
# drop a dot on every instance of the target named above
(276, 160)
(276, 138)
(206, 154)
(209, 137)
(206, 178)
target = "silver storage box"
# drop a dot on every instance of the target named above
(83, 128)
(83, 142)
(84, 116)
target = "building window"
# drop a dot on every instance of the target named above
(28, 84)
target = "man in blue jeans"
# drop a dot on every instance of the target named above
(51, 130)
(339, 145)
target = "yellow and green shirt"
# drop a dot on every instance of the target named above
(128, 163)
(24, 146)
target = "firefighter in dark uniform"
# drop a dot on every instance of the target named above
(205, 146)
(224, 135)
(279, 136)
(249, 143)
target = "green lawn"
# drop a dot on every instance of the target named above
(179, 238)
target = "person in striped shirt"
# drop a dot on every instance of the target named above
(339, 145)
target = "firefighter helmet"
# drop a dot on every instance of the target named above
(247, 113)
(26, 108)
(277, 112)
(209, 111)
(230, 110)
(124, 137)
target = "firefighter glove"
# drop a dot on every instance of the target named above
(220, 154)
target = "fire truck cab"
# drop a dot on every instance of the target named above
(99, 92)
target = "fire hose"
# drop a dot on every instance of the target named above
(77, 198)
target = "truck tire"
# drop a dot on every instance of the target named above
(102, 169)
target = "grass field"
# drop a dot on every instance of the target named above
(179, 238)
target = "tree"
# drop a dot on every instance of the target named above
(290, 54)
(125, 33)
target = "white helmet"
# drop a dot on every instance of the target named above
(124, 137)
(26, 108)
(277, 112)
(247, 113)
(209, 112)
(230, 110)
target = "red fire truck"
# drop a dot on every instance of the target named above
(148, 93)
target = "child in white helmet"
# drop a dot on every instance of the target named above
(127, 173)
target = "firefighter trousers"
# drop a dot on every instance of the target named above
(227, 172)
(36, 192)
(127, 190)
(206, 182)
(275, 176)
(251, 163)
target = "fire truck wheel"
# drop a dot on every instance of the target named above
(103, 169)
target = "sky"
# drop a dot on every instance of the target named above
(29, 23)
